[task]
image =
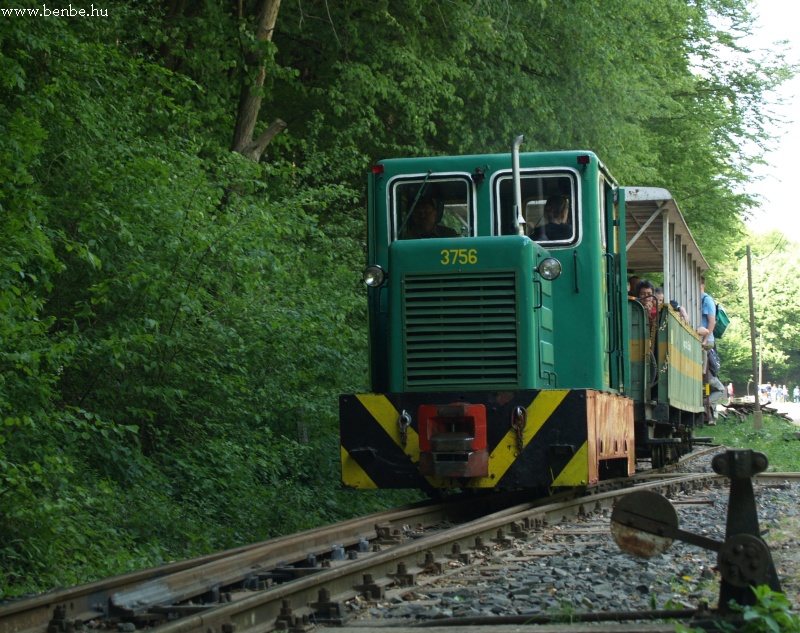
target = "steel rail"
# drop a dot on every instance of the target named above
(198, 575)
(321, 596)
(160, 588)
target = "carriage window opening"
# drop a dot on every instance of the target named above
(426, 207)
(549, 209)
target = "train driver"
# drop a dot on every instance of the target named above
(556, 216)
(424, 222)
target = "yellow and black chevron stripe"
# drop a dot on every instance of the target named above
(553, 448)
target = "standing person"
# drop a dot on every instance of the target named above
(730, 391)
(711, 365)
(796, 393)
(709, 314)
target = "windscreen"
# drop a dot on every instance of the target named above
(428, 207)
(548, 207)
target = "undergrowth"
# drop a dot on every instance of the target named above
(771, 613)
(779, 439)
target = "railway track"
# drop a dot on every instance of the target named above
(296, 581)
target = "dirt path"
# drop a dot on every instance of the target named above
(792, 409)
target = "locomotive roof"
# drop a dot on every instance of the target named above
(653, 219)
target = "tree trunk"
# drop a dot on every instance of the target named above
(250, 97)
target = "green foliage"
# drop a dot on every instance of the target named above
(772, 613)
(776, 440)
(176, 320)
(775, 266)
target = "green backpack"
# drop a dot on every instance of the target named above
(723, 320)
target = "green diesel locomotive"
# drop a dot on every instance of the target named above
(505, 352)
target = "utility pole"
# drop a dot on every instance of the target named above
(758, 421)
(760, 359)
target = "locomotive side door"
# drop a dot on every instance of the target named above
(613, 210)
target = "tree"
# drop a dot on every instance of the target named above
(255, 61)
(775, 268)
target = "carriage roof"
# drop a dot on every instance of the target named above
(660, 241)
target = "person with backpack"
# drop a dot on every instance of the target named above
(708, 308)
(712, 363)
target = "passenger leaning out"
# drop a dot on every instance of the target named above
(675, 305)
(646, 293)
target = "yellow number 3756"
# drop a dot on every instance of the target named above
(456, 256)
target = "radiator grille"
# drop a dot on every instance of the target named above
(460, 331)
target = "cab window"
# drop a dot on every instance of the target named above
(426, 207)
(548, 207)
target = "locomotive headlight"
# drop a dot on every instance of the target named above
(373, 276)
(549, 268)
